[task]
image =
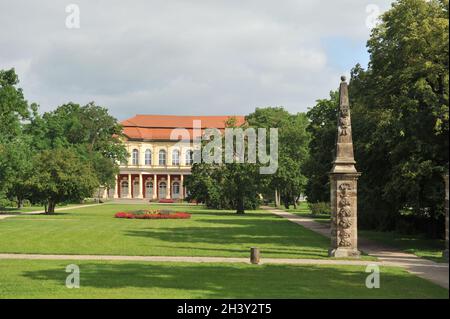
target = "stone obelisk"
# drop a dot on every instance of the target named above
(343, 181)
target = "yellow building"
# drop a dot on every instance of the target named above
(158, 164)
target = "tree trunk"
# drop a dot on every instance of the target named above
(295, 203)
(286, 202)
(51, 207)
(277, 202)
(19, 203)
(240, 205)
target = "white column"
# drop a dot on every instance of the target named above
(140, 187)
(129, 185)
(181, 186)
(169, 187)
(116, 187)
(155, 186)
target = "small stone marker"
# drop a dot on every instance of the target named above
(255, 255)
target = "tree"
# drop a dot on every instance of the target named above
(13, 109)
(408, 85)
(400, 121)
(18, 155)
(289, 179)
(226, 185)
(13, 106)
(90, 129)
(322, 127)
(61, 175)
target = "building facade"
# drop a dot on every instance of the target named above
(160, 155)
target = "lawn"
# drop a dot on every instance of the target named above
(426, 248)
(94, 230)
(419, 245)
(46, 279)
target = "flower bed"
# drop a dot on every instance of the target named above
(152, 214)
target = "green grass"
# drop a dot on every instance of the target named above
(304, 211)
(426, 248)
(419, 245)
(94, 230)
(46, 279)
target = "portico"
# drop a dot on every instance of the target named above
(145, 185)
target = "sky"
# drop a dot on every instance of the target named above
(184, 57)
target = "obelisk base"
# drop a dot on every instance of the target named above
(344, 253)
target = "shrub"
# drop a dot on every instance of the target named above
(320, 208)
(4, 202)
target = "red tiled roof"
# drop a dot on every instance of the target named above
(159, 127)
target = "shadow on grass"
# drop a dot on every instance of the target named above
(275, 237)
(237, 281)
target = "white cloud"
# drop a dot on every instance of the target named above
(180, 57)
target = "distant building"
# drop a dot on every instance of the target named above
(158, 164)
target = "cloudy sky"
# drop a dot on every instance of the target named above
(187, 57)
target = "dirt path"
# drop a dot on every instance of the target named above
(56, 210)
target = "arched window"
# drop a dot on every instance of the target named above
(162, 189)
(148, 189)
(162, 157)
(189, 157)
(135, 157)
(175, 157)
(148, 157)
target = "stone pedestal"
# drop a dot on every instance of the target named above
(344, 230)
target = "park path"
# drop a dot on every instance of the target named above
(3, 216)
(388, 256)
(279, 261)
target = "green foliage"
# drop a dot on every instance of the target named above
(400, 122)
(293, 141)
(13, 106)
(226, 185)
(320, 208)
(60, 175)
(34, 147)
(13, 151)
(90, 129)
(322, 127)
(241, 185)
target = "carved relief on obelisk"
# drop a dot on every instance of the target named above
(343, 180)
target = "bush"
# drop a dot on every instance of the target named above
(320, 208)
(4, 202)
